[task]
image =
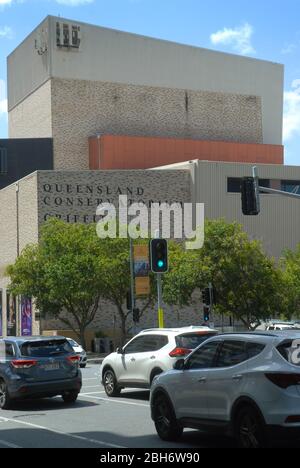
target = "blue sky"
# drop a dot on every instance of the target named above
(263, 29)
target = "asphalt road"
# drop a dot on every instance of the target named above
(95, 421)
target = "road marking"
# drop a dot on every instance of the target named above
(110, 400)
(92, 386)
(84, 380)
(8, 444)
(91, 393)
(54, 431)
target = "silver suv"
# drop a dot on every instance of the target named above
(147, 355)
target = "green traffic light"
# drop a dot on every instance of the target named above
(160, 263)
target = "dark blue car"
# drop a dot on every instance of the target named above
(38, 367)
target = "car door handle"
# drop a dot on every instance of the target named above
(132, 359)
(237, 377)
(202, 380)
(153, 357)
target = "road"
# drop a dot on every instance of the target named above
(93, 422)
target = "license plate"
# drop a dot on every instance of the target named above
(51, 367)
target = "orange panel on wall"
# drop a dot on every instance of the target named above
(127, 152)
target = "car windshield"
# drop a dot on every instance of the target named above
(192, 340)
(46, 348)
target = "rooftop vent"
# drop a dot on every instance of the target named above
(68, 36)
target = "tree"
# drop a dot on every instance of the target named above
(71, 270)
(290, 264)
(250, 287)
(63, 273)
(182, 279)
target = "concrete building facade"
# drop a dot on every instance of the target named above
(77, 80)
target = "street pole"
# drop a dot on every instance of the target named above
(160, 310)
(159, 301)
(132, 292)
(211, 300)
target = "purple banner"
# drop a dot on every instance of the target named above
(1, 332)
(26, 316)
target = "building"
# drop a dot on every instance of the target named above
(22, 156)
(77, 81)
(150, 119)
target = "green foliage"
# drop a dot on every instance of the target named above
(290, 264)
(248, 283)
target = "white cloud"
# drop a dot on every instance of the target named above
(73, 2)
(291, 116)
(239, 39)
(3, 100)
(289, 49)
(5, 2)
(6, 32)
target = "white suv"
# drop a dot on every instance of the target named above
(147, 355)
(246, 385)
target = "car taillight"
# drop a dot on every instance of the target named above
(180, 352)
(284, 380)
(22, 364)
(73, 359)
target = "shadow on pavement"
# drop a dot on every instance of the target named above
(30, 437)
(48, 404)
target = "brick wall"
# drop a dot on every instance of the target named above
(73, 110)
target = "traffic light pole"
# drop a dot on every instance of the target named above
(132, 289)
(273, 191)
(211, 300)
(161, 323)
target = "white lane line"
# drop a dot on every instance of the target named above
(110, 400)
(9, 444)
(91, 386)
(54, 431)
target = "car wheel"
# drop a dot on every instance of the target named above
(110, 384)
(250, 429)
(165, 421)
(154, 374)
(70, 397)
(5, 401)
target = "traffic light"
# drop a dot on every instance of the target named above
(136, 315)
(250, 196)
(206, 296)
(159, 256)
(206, 311)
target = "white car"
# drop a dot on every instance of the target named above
(245, 385)
(147, 355)
(78, 349)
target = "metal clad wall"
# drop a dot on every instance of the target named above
(278, 225)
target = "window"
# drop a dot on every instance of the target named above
(254, 349)
(6, 350)
(291, 186)
(9, 350)
(290, 351)
(147, 343)
(232, 353)
(192, 340)
(234, 184)
(46, 348)
(204, 357)
(3, 161)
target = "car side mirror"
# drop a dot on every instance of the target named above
(179, 365)
(120, 351)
